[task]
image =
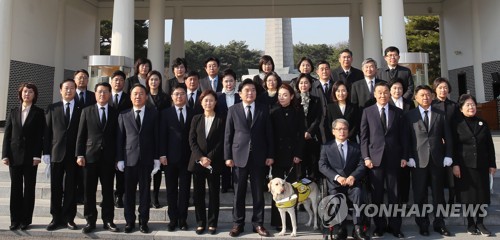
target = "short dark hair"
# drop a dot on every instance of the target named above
(398, 80)
(206, 93)
(391, 49)
(440, 80)
(67, 80)
(275, 75)
(465, 97)
(177, 86)
(118, 73)
(212, 59)
(192, 74)
(138, 85)
(104, 84)
(382, 84)
(265, 59)
(29, 86)
(154, 72)
(335, 87)
(179, 61)
(308, 60)
(229, 72)
(141, 61)
(303, 75)
(323, 62)
(246, 82)
(81, 71)
(347, 50)
(423, 87)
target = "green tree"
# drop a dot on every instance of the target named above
(238, 57)
(422, 33)
(318, 52)
(196, 53)
(141, 28)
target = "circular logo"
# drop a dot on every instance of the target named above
(332, 209)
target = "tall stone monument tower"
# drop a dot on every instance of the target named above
(279, 44)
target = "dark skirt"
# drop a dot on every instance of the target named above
(474, 186)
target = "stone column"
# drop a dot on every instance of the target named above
(123, 29)
(279, 43)
(6, 7)
(478, 57)
(156, 35)
(371, 30)
(177, 46)
(393, 25)
(59, 49)
(355, 35)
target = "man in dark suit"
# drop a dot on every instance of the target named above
(323, 90)
(213, 80)
(394, 70)
(383, 148)
(431, 151)
(192, 81)
(120, 101)
(83, 96)
(137, 155)
(175, 153)
(248, 149)
(95, 151)
(341, 163)
(346, 72)
(62, 120)
(362, 91)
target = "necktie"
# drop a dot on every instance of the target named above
(81, 99)
(392, 73)
(181, 118)
(383, 120)
(371, 88)
(426, 120)
(67, 114)
(347, 74)
(341, 150)
(214, 85)
(249, 116)
(103, 117)
(138, 118)
(191, 100)
(116, 100)
(325, 88)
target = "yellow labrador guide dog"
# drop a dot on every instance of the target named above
(287, 196)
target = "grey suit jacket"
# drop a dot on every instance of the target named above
(205, 84)
(436, 143)
(331, 164)
(360, 94)
(403, 73)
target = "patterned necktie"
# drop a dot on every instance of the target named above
(103, 117)
(325, 88)
(392, 73)
(371, 88)
(138, 118)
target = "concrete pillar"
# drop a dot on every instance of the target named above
(123, 29)
(279, 43)
(59, 50)
(355, 34)
(393, 25)
(478, 57)
(5, 54)
(97, 43)
(371, 31)
(177, 46)
(442, 49)
(156, 35)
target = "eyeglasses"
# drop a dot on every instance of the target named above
(178, 94)
(470, 105)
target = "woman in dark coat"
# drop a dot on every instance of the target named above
(22, 149)
(288, 124)
(305, 65)
(141, 69)
(266, 65)
(474, 162)
(206, 138)
(311, 106)
(179, 68)
(159, 100)
(269, 97)
(342, 108)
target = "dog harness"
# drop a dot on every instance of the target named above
(303, 192)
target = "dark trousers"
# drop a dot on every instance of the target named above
(309, 164)
(119, 183)
(291, 178)
(22, 193)
(63, 190)
(423, 178)
(355, 195)
(141, 175)
(385, 179)
(157, 183)
(404, 184)
(240, 176)
(227, 178)
(80, 185)
(178, 181)
(92, 172)
(213, 181)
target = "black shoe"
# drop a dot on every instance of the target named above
(482, 229)
(24, 226)
(200, 230)
(171, 226)
(14, 226)
(53, 225)
(472, 230)
(236, 231)
(212, 230)
(398, 234)
(144, 228)
(359, 234)
(442, 230)
(424, 231)
(279, 228)
(378, 232)
(183, 225)
(88, 228)
(71, 225)
(119, 201)
(129, 228)
(110, 226)
(156, 204)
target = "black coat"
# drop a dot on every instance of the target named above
(288, 125)
(162, 101)
(351, 114)
(174, 141)
(211, 146)
(355, 75)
